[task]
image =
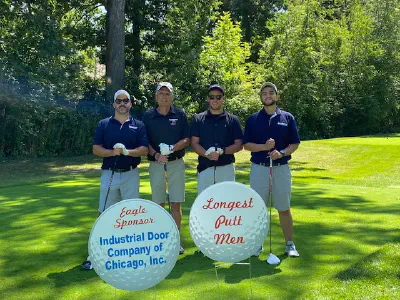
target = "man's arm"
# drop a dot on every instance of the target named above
(100, 151)
(139, 151)
(252, 147)
(288, 151)
(195, 142)
(181, 144)
(235, 147)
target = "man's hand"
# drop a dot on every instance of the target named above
(161, 158)
(275, 155)
(270, 144)
(120, 148)
(166, 149)
(212, 153)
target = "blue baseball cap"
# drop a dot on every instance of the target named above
(216, 87)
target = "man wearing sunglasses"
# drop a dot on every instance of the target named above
(168, 132)
(120, 140)
(215, 136)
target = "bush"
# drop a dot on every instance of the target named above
(32, 129)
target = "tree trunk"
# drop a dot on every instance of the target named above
(115, 52)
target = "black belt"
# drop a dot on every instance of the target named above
(122, 170)
(274, 164)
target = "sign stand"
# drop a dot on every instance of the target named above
(218, 265)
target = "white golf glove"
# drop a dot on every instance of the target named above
(121, 146)
(166, 149)
(211, 149)
(220, 151)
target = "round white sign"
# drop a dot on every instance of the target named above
(228, 221)
(134, 244)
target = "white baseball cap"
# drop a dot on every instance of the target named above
(121, 92)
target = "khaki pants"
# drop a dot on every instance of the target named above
(281, 184)
(176, 181)
(206, 178)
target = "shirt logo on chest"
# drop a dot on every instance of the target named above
(173, 122)
(282, 124)
(132, 127)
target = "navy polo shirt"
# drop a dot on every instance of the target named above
(110, 132)
(216, 131)
(281, 127)
(168, 129)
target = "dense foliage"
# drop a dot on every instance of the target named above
(335, 62)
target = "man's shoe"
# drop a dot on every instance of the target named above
(181, 250)
(87, 265)
(291, 251)
(258, 251)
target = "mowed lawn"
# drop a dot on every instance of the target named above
(345, 202)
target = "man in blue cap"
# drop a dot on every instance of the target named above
(215, 136)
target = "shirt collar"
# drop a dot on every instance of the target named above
(172, 111)
(112, 118)
(209, 114)
(278, 111)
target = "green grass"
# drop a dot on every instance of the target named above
(345, 202)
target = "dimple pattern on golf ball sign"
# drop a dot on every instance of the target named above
(134, 244)
(228, 222)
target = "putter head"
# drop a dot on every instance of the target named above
(273, 259)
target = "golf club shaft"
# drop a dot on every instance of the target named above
(166, 179)
(111, 179)
(270, 204)
(215, 165)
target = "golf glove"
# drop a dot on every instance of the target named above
(166, 149)
(220, 151)
(121, 146)
(210, 150)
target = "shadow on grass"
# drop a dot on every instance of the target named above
(70, 276)
(385, 263)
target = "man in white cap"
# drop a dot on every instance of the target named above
(116, 135)
(168, 132)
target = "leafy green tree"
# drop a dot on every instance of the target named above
(327, 65)
(39, 58)
(253, 16)
(223, 60)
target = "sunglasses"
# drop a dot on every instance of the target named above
(212, 97)
(125, 100)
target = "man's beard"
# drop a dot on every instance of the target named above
(122, 112)
(269, 104)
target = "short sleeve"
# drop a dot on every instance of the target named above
(99, 134)
(195, 128)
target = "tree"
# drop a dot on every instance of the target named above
(223, 60)
(115, 57)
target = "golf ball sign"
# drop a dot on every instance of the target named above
(134, 244)
(228, 222)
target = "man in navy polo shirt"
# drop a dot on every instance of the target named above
(215, 136)
(272, 132)
(168, 132)
(116, 135)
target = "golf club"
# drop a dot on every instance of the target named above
(111, 179)
(272, 259)
(215, 163)
(166, 180)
